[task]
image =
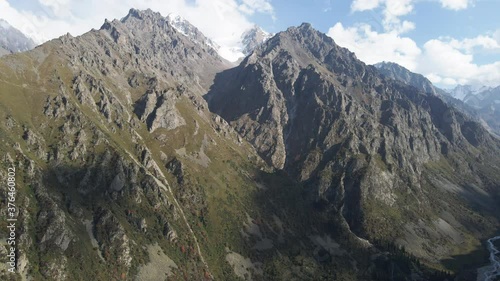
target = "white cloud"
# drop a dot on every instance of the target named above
(252, 6)
(221, 20)
(482, 41)
(448, 63)
(57, 7)
(393, 10)
(364, 5)
(456, 4)
(372, 47)
(445, 61)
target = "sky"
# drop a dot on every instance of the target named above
(449, 41)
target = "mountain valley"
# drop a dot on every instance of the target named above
(142, 154)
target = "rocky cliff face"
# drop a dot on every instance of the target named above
(377, 152)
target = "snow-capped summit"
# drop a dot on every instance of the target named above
(185, 27)
(13, 40)
(249, 40)
(253, 38)
(463, 92)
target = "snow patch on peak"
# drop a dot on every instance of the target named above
(463, 92)
(253, 38)
(13, 40)
(232, 54)
(4, 24)
(249, 39)
(187, 29)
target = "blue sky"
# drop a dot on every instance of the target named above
(449, 41)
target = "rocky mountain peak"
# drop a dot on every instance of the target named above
(253, 38)
(146, 39)
(305, 46)
(306, 26)
(142, 14)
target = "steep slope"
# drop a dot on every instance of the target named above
(122, 173)
(395, 163)
(13, 40)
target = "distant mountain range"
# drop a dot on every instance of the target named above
(485, 100)
(13, 40)
(480, 102)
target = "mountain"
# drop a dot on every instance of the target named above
(123, 173)
(189, 30)
(485, 100)
(397, 72)
(253, 38)
(463, 92)
(479, 103)
(391, 161)
(13, 40)
(249, 40)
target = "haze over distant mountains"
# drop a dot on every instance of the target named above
(142, 154)
(13, 40)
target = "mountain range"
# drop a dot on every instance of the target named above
(479, 102)
(142, 154)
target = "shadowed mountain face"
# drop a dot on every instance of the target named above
(394, 162)
(123, 173)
